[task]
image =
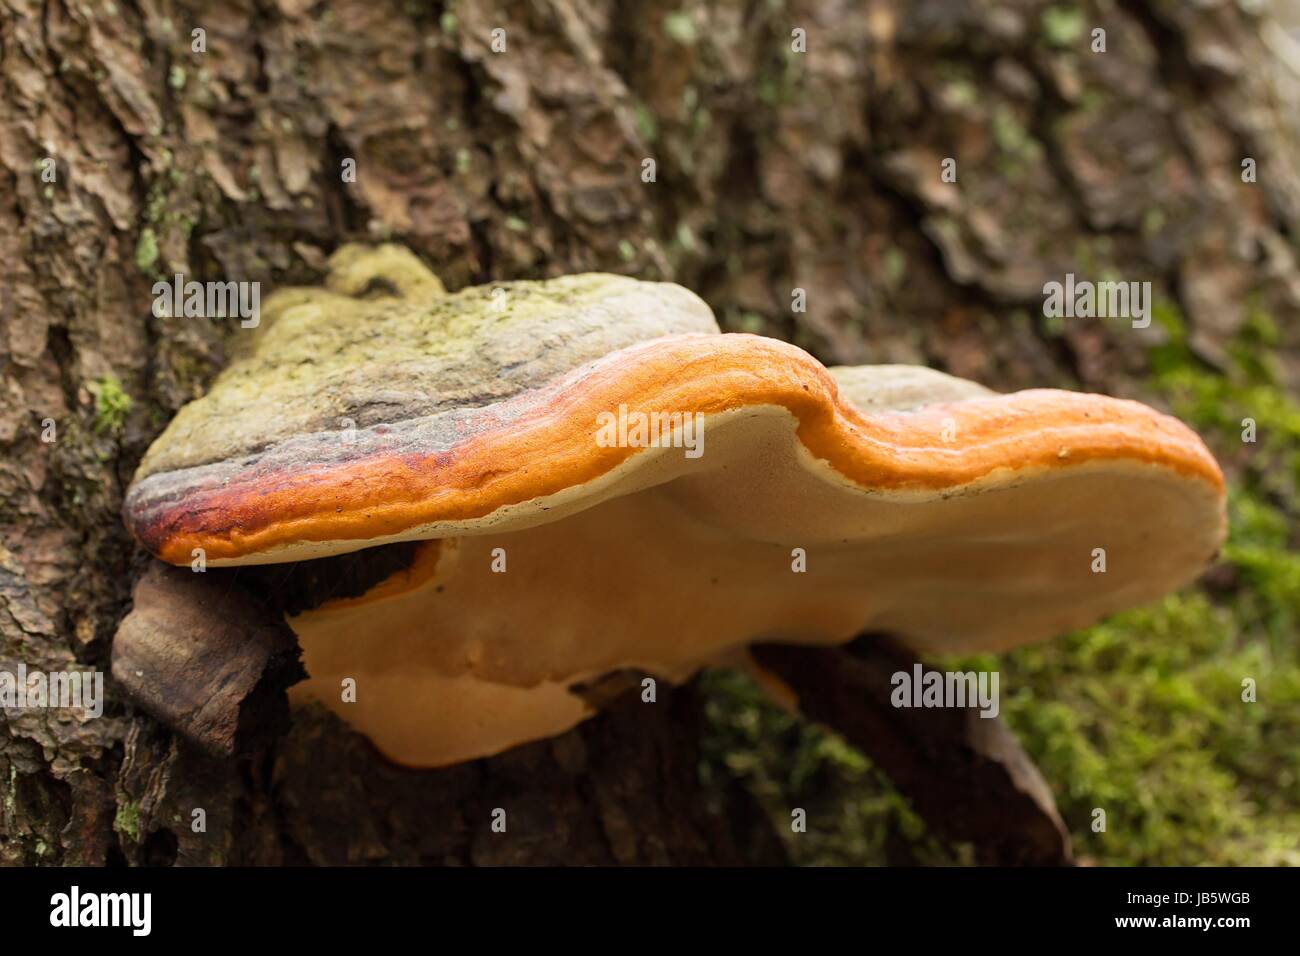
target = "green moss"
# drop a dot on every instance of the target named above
(1153, 221)
(112, 405)
(1142, 716)
(646, 123)
(127, 820)
(854, 816)
(894, 266)
(1063, 26)
(962, 93)
(679, 26)
(684, 238)
(1011, 135)
(11, 793)
(1223, 405)
(146, 250)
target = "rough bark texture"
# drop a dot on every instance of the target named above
(208, 658)
(774, 171)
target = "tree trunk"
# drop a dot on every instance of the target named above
(133, 148)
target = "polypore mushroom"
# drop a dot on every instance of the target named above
(507, 428)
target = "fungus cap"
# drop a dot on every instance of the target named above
(508, 426)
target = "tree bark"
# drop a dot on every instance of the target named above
(774, 171)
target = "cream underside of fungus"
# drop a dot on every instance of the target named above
(925, 507)
(670, 578)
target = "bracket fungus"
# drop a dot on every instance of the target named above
(536, 438)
